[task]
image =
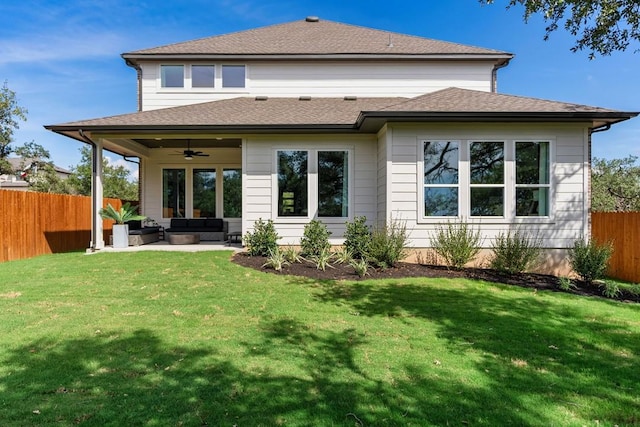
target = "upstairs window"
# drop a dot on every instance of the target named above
(233, 76)
(203, 76)
(172, 75)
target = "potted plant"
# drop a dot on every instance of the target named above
(121, 216)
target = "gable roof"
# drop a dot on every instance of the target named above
(315, 37)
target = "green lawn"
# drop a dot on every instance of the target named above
(164, 339)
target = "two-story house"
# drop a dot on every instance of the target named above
(318, 119)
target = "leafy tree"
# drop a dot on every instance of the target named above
(114, 178)
(615, 184)
(10, 113)
(601, 26)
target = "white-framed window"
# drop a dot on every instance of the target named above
(441, 179)
(313, 183)
(533, 178)
(203, 76)
(202, 191)
(234, 76)
(172, 76)
(486, 180)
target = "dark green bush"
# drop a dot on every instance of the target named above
(357, 237)
(263, 240)
(590, 259)
(388, 244)
(515, 252)
(456, 243)
(315, 239)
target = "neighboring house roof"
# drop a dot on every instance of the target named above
(21, 163)
(315, 37)
(317, 114)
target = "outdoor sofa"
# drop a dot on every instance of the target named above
(139, 235)
(208, 228)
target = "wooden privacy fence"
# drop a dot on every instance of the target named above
(34, 224)
(623, 229)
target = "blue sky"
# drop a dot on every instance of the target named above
(62, 58)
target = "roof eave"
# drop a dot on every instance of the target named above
(498, 57)
(597, 118)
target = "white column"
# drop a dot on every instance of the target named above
(97, 192)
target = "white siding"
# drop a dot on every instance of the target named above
(569, 175)
(259, 159)
(325, 79)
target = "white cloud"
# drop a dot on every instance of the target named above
(115, 161)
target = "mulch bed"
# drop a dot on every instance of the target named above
(404, 270)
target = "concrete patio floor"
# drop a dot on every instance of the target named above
(164, 245)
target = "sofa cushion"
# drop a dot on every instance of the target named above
(134, 225)
(196, 223)
(215, 224)
(178, 222)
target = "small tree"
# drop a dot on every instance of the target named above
(10, 113)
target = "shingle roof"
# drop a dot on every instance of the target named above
(473, 101)
(249, 112)
(347, 114)
(315, 38)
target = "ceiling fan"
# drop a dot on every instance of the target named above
(189, 154)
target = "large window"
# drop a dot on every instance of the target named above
(333, 184)
(203, 76)
(204, 193)
(172, 75)
(233, 76)
(292, 183)
(532, 178)
(232, 190)
(441, 178)
(173, 193)
(486, 178)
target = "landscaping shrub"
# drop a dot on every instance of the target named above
(360, 266)
(456, 243)
(275, 259)
(342, 256)
(263, 240)
(357, 237)
(388, 244)
(323, 259)
(515, 252)
(315, 239)
(291, 255)
(590, 259)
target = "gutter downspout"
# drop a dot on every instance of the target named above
(97, 242)
(139, 77)
(129, 159)
(494, 75)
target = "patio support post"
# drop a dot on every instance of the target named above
(97, 193)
